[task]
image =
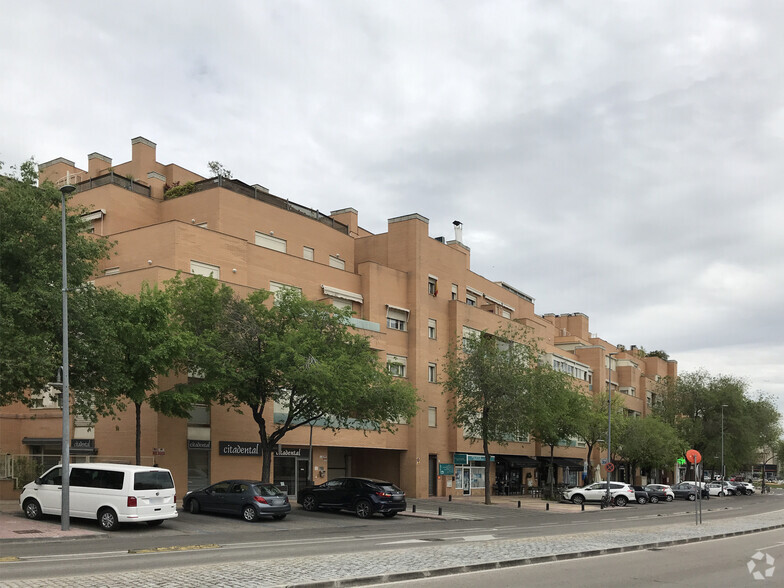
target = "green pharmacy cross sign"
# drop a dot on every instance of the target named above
(681, 461)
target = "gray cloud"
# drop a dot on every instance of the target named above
(619, 160)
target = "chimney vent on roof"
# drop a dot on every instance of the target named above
(458, 231)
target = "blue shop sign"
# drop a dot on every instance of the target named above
(466, 458)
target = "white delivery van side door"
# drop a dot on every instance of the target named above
(49, 491)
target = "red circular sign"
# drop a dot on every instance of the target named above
(693, 456)
(609, 467)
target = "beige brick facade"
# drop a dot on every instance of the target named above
(405, 272)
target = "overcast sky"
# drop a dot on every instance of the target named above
(619, 159)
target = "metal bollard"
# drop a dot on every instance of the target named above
(450, 498)
(413, 508)
(582, 507)
(547, 506)
(519, 503)
(439, 511)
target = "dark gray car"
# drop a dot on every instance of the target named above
(247, 498)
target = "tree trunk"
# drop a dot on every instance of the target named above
(550, 477)
(589, 476)
(266, 461)
(488, 485)
(138, 433)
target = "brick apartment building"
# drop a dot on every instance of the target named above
(411, 294)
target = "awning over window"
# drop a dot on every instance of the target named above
(42, 440)
(519, 461)
(563, 462)
(344, 294)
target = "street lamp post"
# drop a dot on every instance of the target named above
(65, 512)
(609, 421)
(723, 406)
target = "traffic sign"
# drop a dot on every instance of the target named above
(609, 467)
(693, 456)
(604, 461)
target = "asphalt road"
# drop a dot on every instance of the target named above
(721, 562)
(192, 540)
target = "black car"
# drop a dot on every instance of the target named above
(688, 490)
(364, 496)
(659, 492)
(641, 494)
(247, 498)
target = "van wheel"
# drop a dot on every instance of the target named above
(193, 506)
(32, 509)
(107, 519)
(157, 523)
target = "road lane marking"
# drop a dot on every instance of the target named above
(174, 548)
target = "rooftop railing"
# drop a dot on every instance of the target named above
(112, 178)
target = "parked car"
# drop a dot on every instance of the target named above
(364, 496)
(719, 489)
(641, 494)
(109, 493)
(748, 486)
(246, 498)
(620, 493)
(657, 492)
(688, 490)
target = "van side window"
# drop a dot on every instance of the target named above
(155, 480)
(53, 477)
(83, 478)
(110, 480)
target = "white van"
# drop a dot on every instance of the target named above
(110, 493)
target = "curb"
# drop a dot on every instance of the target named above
(480, 567)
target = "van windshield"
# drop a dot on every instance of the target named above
(154, 480)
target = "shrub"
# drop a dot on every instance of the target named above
(177, 191)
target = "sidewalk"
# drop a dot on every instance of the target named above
(450, 555)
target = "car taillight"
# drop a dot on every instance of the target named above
(175, 499)
(286, 499)
(260, 499)
(132, 501)
(383, 495)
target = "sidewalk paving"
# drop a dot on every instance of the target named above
(448, 556)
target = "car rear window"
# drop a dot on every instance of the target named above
(267, 490)
(153, 480)
(389, 487)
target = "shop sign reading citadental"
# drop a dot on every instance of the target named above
(466, 458)
(239, 448)
(287, 452)
(205, 445)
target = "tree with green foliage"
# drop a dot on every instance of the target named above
(592, 425)
(487, 381)
(557, 409)
(693, 405)
(648, 443)
(765, 422)
(31, 280)
(296, 354)
(217, 170)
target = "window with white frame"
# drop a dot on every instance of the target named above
(431, 328)
(277, 287)
(628, 390)
(521, 437)
(110, 271)
(470, 300)
(432, 414)
(396, 365)
(205, 269)
(432, 285)
(397, 318)
(270, 242)
(307, 253)
(454, 291)
(341, 304)
(506, 314)
(472, 429)
(470, 335)
(48, 397)
(431, 373)
(336, 262)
